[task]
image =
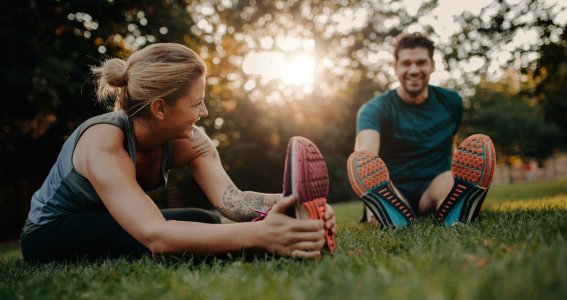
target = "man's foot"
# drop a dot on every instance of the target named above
(472, 168)
(370, 180)
(305, 175)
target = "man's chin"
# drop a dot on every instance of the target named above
(414, 92)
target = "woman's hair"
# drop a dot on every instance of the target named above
(412, 40)
(160, 71)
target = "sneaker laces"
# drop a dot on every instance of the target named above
(262, 214)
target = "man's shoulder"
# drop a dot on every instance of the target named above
(379, 99)
(449, 93)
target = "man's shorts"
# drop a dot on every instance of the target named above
(413, 191)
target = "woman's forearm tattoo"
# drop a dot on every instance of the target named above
(240, 206)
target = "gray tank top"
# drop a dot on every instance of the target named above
(65, 191)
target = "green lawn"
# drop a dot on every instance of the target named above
(517, 251)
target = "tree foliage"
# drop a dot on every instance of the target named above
(514, 122)
(551, 76)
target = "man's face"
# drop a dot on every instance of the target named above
(413, 68)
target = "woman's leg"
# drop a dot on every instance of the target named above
(85, 235)
(191, 215)
(92, 235)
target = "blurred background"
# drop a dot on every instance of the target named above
(279, 69)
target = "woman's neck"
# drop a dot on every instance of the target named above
(148, 139)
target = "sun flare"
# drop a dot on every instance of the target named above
(297, 70)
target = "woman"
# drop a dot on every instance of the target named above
(94, 202)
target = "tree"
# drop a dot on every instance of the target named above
(551, 76)
(525, 36)
(512, 120)
(48, 47)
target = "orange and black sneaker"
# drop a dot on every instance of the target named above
(370, 181)
(472, 168)
(305, 175)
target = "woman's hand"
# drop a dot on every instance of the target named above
(288, 236)
(330, 221)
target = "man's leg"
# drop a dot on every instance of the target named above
(436, 193)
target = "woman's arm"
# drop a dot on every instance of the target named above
(101, 158)
(200, 154)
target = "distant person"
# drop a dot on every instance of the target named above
(94, 202)
(406, 137)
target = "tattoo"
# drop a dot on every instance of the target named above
(197, 135)
(229, 194)
(203, 147)
(240, 206)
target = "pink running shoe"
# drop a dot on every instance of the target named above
(305, 175)
(472, 168)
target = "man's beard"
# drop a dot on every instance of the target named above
(414, 94)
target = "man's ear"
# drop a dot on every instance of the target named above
(158, 107)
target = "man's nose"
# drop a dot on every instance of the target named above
(413, 68)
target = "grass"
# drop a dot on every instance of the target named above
(517, 251)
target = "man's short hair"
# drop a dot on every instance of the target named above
(412, 40)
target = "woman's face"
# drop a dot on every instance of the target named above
(188, 110)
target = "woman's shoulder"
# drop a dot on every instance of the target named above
(116, 118)
(184, 151)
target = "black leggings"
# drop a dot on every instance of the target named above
(94, 235)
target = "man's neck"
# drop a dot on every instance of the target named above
(411, 98)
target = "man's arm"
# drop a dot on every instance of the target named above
(454, 148)
(369, 140)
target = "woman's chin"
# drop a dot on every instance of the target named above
(190, 132)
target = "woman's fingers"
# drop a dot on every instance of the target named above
(308, 245)
(314, 236)
(306, 254)
(330, 221)
(282, 205)
(306, 225)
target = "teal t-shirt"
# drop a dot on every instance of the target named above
(415, 140)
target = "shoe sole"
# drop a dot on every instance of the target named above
(472, 168)
(370, 181)
(307, 177)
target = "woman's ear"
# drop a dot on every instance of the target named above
(158, 108)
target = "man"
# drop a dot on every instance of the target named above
(401, 167)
